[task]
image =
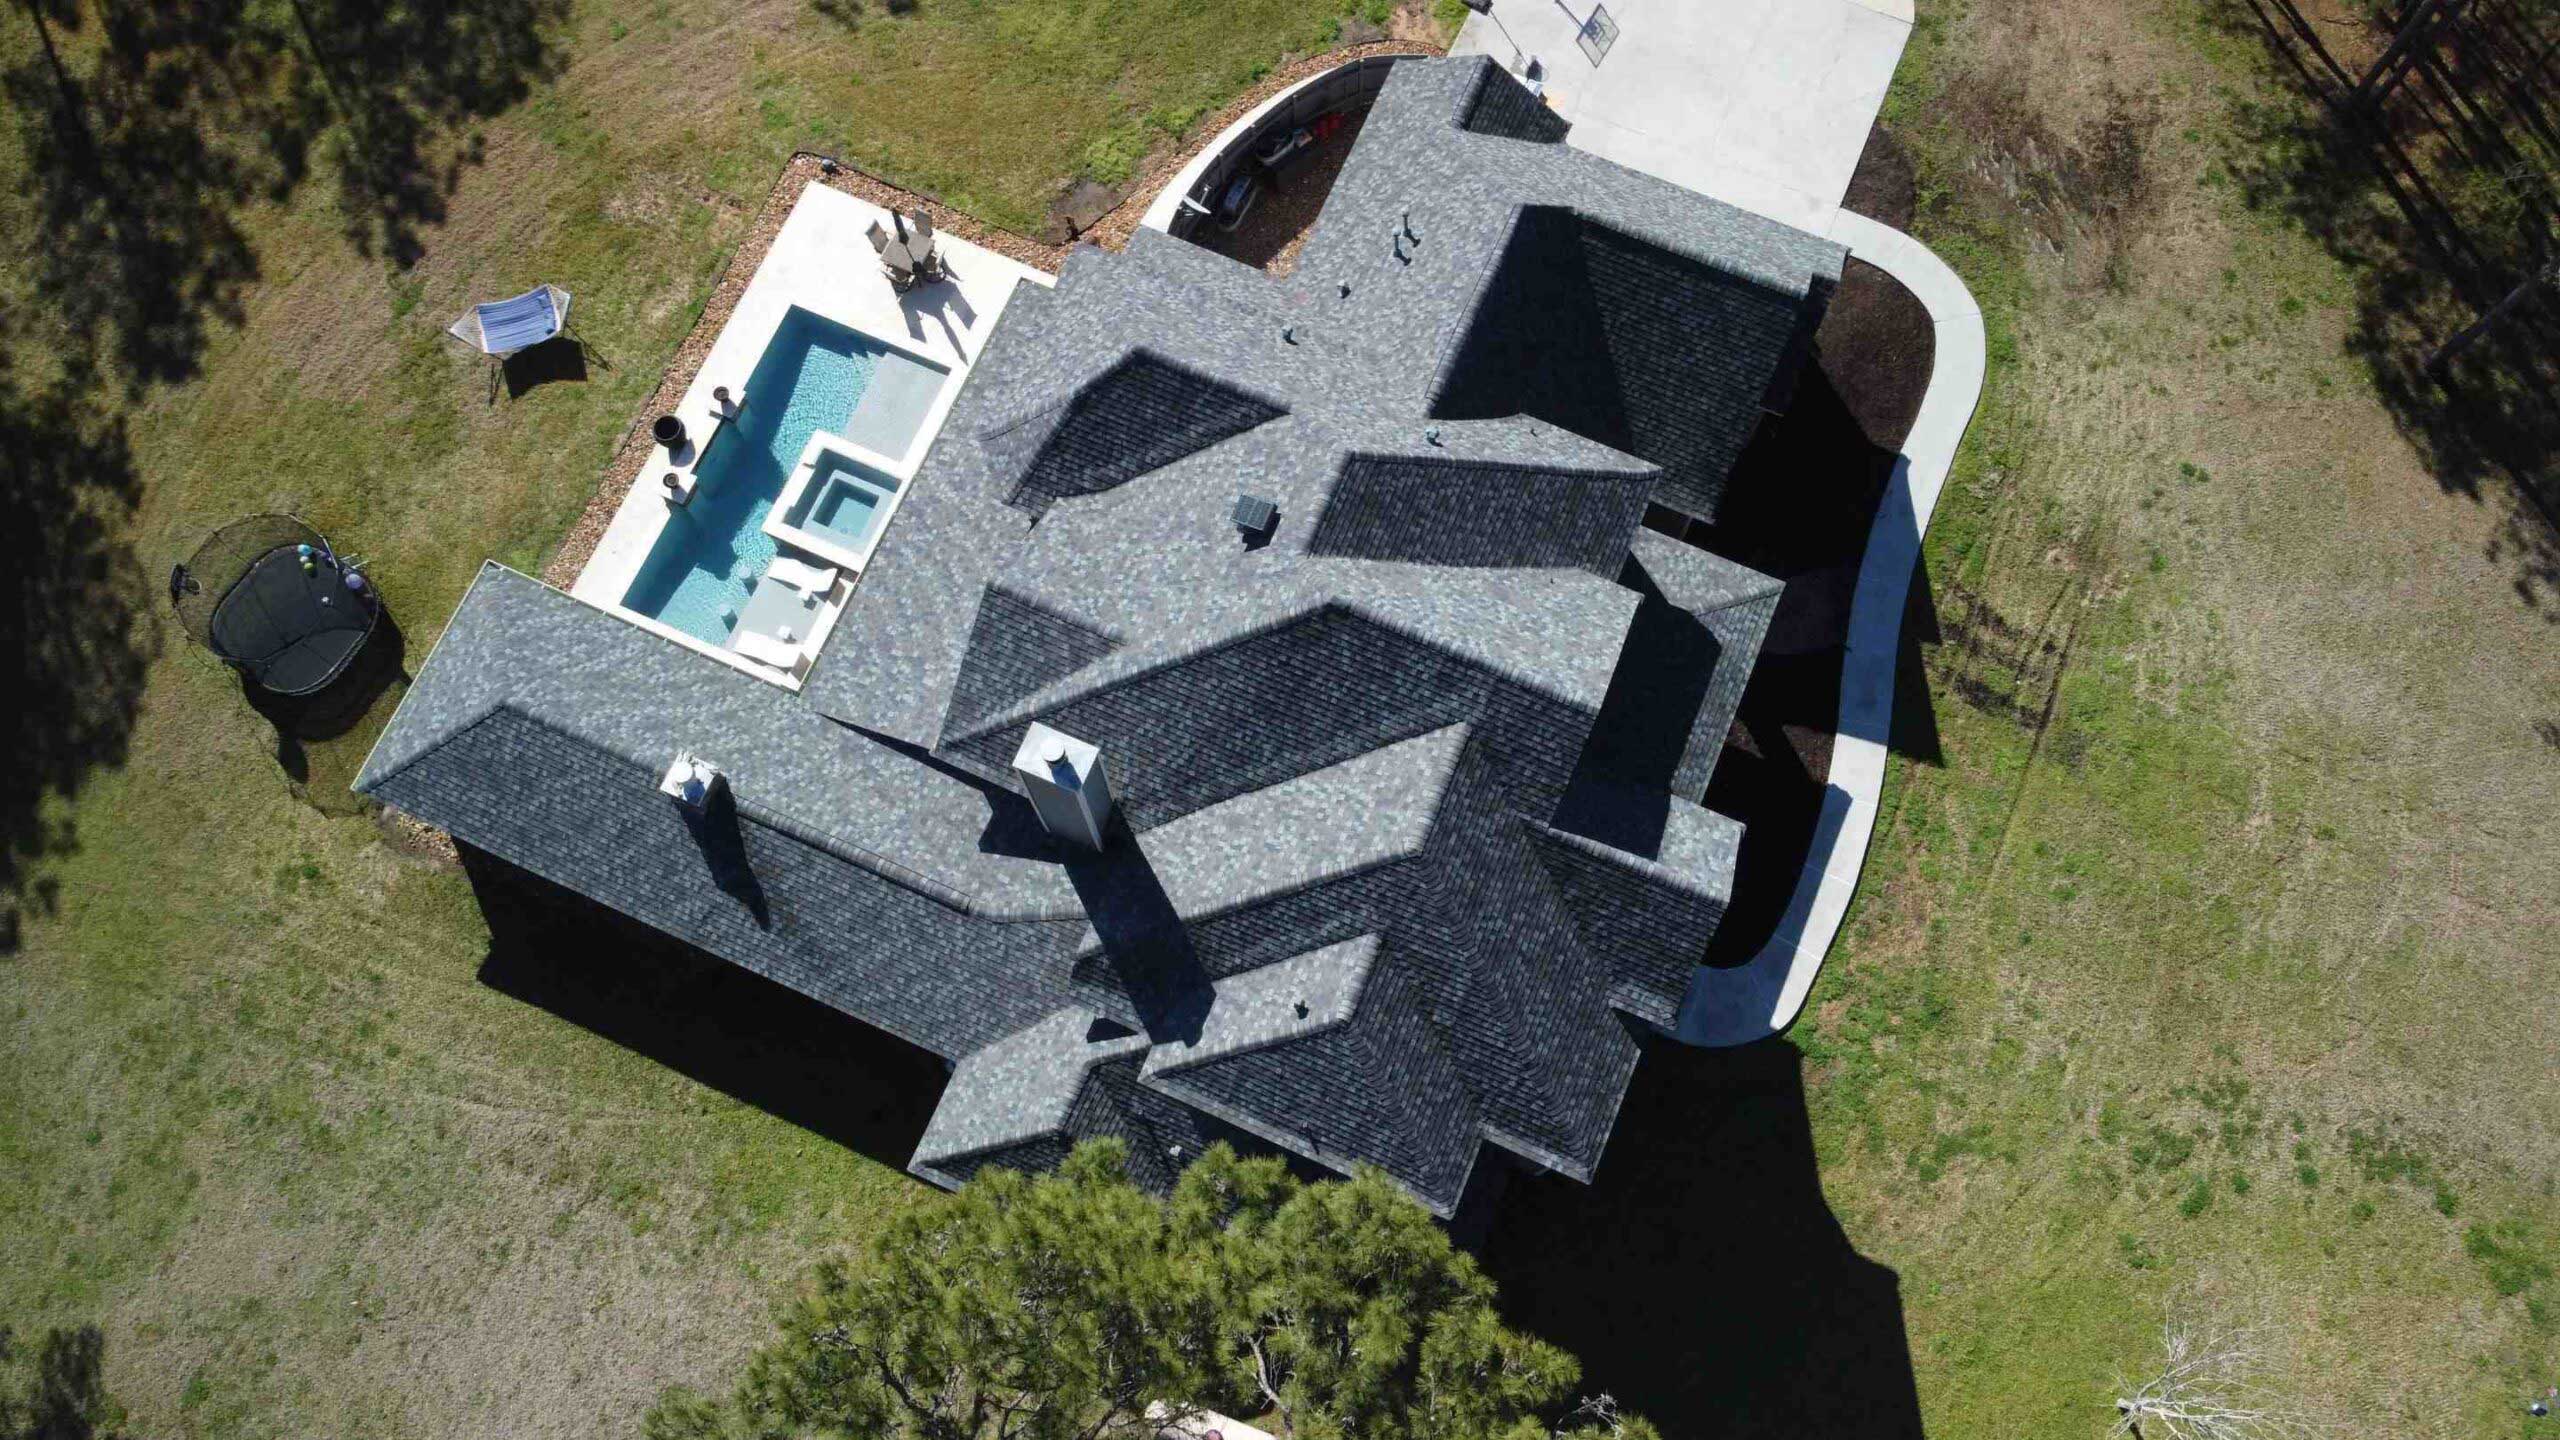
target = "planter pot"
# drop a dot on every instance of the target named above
(669, 431)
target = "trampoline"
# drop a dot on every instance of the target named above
(270, 597)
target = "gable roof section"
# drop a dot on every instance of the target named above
(1502, 107)
(1695, 310)
(1435, 511)
(1144, 412)
(1022, 1087)
(1623, 340)
(735, 884)
(1734, 604)
(1287, 1000)
(1650, 915)
(1016, 646)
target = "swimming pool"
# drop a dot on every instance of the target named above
(812, 376)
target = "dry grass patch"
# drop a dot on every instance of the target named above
(2239, 868)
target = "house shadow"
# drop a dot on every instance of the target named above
(718, 1024)
(1812, 494)
(1702, 1277)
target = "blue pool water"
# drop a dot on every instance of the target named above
(844, 501)
(697, 575)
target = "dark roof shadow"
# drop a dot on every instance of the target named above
(1146, 947)
(1701, 1276)
(716, 1023)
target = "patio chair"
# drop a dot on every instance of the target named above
(899, 265)
(878, 235)
(928, 255)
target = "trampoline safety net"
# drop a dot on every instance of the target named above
(268, 595)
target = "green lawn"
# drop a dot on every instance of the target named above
(2217, 951)
(2209, 951)
(259, 1114)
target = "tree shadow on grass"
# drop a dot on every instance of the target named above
(78, 640)
(64, 1396)
(1702, 1277)
(148, 129)
(2427, 258)
(390, 81)
(717, 1023)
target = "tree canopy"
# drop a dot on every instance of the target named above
(1076, 1306)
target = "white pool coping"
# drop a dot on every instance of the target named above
(821, 262)
(777, 521)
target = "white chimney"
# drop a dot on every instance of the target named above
(690, 781)
(1067, 784)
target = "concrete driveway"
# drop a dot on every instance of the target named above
(1763, 104)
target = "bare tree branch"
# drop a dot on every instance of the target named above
(2208, 1387)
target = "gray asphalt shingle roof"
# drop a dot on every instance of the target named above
(1409, 855)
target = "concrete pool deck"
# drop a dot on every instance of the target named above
(821, 262)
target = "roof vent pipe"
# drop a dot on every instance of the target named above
(1067, 784)
(691, 782)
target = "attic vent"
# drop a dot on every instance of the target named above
(1255, 516)
(691, 781)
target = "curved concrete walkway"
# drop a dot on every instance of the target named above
(1762, 997)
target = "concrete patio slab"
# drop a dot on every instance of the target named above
(1760, 103)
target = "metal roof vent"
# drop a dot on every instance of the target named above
(1067, 784)
(1256, 516)
(691, 782)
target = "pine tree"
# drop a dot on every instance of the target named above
(1076, 1306)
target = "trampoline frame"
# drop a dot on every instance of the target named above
(234, 555)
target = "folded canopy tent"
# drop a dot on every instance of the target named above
(503, 327)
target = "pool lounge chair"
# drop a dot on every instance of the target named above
(766, 650)
(800, 575)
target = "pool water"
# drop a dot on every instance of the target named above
(697, 576)
(845, 502)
